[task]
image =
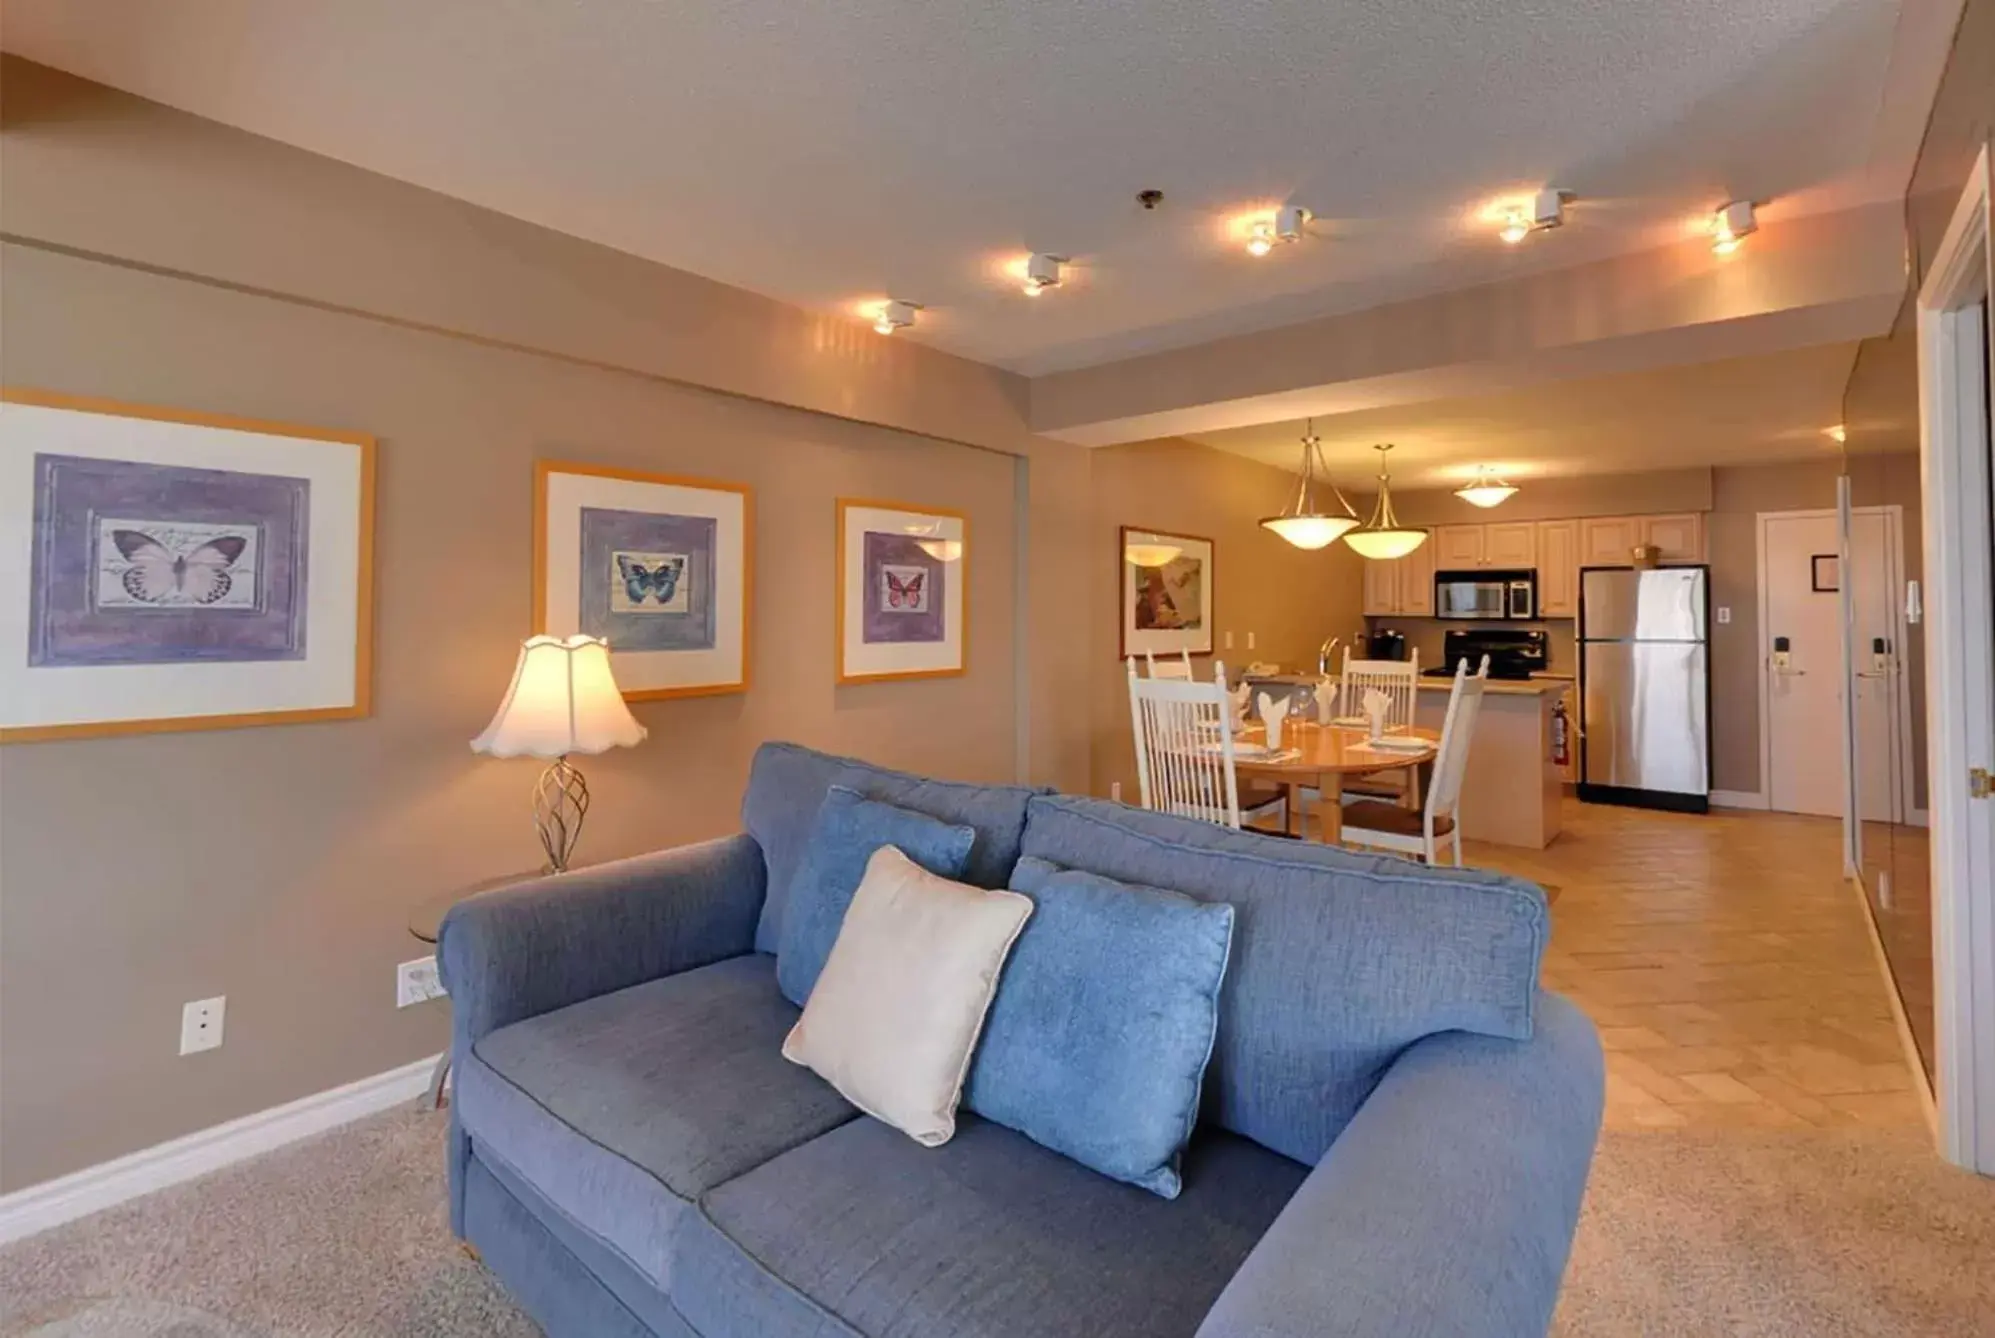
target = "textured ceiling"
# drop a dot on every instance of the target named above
(827, 153)
(1744, 410)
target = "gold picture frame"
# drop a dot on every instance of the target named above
(880, 635)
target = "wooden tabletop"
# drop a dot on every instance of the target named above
(1332, 750)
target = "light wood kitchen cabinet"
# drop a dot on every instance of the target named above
(1416, 581)
(1558, 568)
(1680, 538)
(1381, 587)
(1403, 586)
(1457, 547)
(1512, 544)
(1608, 541)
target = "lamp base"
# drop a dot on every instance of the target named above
(560, 802)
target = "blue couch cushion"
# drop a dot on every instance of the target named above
(849, 831)
(1340, 960)
(622, 1109)
(788, 782)
(988, 1236)
(1097, 1043)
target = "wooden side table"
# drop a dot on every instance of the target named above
(425, 922)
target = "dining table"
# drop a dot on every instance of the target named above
(1322, 756)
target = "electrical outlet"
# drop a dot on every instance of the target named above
(1724, 613)
(416, 982)
(201, 1024)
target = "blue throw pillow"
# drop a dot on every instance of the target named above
(849, 829)
(1104, 1021)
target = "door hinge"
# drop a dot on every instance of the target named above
(1979, 783)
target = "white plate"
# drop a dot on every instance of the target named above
(1397, 745)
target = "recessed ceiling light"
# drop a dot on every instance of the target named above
(894, 315)
(1731, 225)
(1042, 272)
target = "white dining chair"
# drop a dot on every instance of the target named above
(1399, 680)
(1185, 748)
(1387, 826)
(1179, 669)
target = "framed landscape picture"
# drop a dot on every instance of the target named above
(172, 570)
(1166, 582)
(901, 591)
(654, 564)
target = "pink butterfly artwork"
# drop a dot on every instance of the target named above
(905, 591)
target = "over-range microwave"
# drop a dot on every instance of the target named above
(1486, 595)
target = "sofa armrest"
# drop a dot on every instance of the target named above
(540, 945)
(1446, 1207)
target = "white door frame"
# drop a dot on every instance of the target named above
(1960, 674)
(1894, 553)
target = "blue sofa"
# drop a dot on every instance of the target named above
(1394, 1139)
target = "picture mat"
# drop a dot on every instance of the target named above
(862, 660)
(641, 671)
(109, 693)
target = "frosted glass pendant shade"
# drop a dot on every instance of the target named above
(1305, 523)
(1311, 531)
(563, 699)
(1485, 490)
(1383, 538)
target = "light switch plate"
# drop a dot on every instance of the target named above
(1724, 613)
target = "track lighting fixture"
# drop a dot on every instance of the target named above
(1546, 211)
(894, 315)
(1285, 226)
(1731, 225)
(1042, 272)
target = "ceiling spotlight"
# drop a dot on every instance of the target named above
(894, 315)
(1547, 211)
(1731, 225)
(1042, 272)
(1486, 489)
(1285, 226)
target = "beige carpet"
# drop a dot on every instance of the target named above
(1737, 1234)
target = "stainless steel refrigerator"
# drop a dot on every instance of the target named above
(1645, 687)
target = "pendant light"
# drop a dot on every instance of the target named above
(1485, 490)
(1305, 523)
(1383, 538)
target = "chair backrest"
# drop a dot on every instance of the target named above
(1184, 748)
(1451, 757)
(1397, 679)
(1179, 669)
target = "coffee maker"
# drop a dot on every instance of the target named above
(1384, 644)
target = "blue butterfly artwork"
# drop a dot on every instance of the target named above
(650, 583)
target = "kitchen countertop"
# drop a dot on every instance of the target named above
(1503, 687)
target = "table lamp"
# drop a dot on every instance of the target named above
(563, 700)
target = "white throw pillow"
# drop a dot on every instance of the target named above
(895, 1016)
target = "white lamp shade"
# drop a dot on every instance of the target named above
(563, 699)
(1311, 531)
(1385, 545)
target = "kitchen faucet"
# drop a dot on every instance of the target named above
(1323, 654)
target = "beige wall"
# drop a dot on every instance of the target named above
(157, 258)
(1289, 599)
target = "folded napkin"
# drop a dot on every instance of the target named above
(1326, 701)
(1377, 704)
(1272, 714)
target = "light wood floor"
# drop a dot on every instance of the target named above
(1727, 964)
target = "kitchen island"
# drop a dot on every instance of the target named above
(1512, 794)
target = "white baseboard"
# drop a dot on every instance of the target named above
(1737, 799)
(39, 1207)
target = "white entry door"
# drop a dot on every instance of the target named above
(1801, 655)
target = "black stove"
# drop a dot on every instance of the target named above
(1512, 654)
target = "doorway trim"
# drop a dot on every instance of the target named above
(1960, 671)
(1902, 761)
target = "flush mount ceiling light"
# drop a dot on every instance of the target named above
(1732, 225)
(1148, 550)
(1305, 523)
(1383, 538)
(1546, 211)
(1285, 226)
(894, 315)
(1042, 272)
(1486, 489)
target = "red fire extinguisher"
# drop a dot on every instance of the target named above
(1561, 734)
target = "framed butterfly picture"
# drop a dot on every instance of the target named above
(171, 570)
(901, 591)
(656, 565)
